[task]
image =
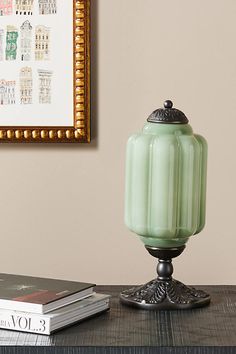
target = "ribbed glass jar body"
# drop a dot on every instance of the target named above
(165, 198)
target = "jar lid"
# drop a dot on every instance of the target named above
(168, 115)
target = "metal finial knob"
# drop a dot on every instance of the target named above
(168, 104)
(168, 115)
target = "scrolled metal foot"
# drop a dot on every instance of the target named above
(164, 295)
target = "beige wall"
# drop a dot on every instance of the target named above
(61, 207)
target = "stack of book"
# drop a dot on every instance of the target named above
(43, 306)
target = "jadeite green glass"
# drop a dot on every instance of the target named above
(166, 184)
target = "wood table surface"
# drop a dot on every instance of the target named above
(125, 330)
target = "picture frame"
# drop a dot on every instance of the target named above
(71, 128)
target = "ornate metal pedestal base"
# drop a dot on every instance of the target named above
(164, 293)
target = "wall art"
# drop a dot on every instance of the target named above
(45, 71)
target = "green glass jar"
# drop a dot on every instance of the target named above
(166, 166)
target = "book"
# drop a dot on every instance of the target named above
(39, 295)
(54, 320)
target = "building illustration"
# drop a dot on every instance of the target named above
(24, 7)
(45, 86)
(42, 43)
(5, 7)
(26, 40)
(7, 92)
(47, 7)
(26, 85)
(11, 43)
(1, 44)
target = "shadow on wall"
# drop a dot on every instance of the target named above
(94, 98)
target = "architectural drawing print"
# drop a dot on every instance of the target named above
(1, 44)
(26, 85)
(45, 86)
(24, 7)
(47, 7)
(42, 43)
(26, 40)
(5, 7)
(7, 92)
(11, 43)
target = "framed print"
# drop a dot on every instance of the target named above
(45, 71)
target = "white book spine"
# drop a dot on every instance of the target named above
(24, 322)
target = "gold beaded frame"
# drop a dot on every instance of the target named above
(80, 132)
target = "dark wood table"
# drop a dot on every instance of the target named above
(125, 330)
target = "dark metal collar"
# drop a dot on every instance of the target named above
(168, 115)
